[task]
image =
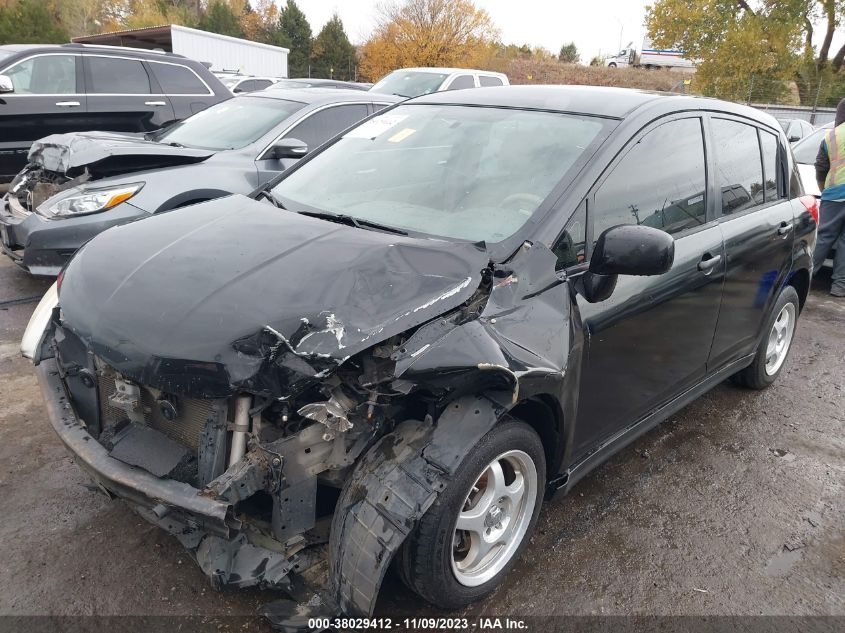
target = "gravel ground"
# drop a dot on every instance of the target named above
(734, 506)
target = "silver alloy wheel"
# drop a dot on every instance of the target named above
(494, 518)
(780, 338)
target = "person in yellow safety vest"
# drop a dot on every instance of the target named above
(830, 173)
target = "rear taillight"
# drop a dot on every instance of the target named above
(59, 280)
(811, 203)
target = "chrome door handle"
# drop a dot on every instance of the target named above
(155, 103)
(67, 104)
(707, 265)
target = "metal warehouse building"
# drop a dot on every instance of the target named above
(222, 52)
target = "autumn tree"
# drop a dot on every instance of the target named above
(737, 42)
(428, 33)
(295, 34)
(333, 54)
(569, 54)
(31, 22)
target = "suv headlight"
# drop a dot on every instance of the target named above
(83, 202)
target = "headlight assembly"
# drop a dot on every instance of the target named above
(83, 202)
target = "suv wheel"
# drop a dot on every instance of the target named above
(775, 345)
(470, 538)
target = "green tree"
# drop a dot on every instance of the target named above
(31, 22)
(333, 54)
(295, 33)
(734, 41)
(220, 18)
(569, 53)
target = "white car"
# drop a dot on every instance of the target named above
(805, 152)
(413, 82)
(238, 84)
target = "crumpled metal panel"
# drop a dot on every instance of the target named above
(236, 293)
(108, 152)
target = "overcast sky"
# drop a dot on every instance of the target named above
(594, 25)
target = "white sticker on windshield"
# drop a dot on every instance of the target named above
(376, 127)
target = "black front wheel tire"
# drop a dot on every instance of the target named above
(495, 495)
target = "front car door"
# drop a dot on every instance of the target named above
(461, 82)
(650, 340)
(122, 97)
(48, 98)
(757, 225)
(314, 129)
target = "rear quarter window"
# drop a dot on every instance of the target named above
(178, 80)
(486, 81)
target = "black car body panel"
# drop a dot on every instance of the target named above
(76, 88)
(374, 361)
(173, 176)
(414, 279)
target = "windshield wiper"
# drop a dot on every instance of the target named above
(267, 194)
(350, 221)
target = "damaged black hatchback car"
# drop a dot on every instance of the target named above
(396, 350)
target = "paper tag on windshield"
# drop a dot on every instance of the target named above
(376, 127)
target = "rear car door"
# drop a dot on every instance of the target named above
(757, 225)
(314, 129)
(122, 97)
(650, 340)
(187, 92)
(48, 98)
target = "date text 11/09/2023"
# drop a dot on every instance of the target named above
(418, 624)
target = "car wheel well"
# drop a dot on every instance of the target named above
(541, 414)
(800, 280)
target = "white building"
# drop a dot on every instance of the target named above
(221, 52)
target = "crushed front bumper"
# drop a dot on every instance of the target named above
(179, 502)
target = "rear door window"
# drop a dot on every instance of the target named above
(115, 75)
(769, 146)
(739, 167)
(319, 127)
(660, 182)
(261, 84)
(178, 80)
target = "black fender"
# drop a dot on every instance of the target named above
(391, 488)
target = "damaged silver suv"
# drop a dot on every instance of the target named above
(396, 350)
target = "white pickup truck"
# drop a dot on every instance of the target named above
(648, 57)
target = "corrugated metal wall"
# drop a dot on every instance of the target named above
(230, 53)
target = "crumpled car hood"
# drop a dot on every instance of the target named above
(202, 300)
(107, 153)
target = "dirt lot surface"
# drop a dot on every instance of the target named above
(735, 506)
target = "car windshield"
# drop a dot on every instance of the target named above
(230, 81)
(231, 124)
(405, 83)
(806, 149)
(461, 172)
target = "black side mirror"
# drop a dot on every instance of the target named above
(288, 148)
(632, 249)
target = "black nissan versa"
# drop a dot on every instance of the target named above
(400, 347)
